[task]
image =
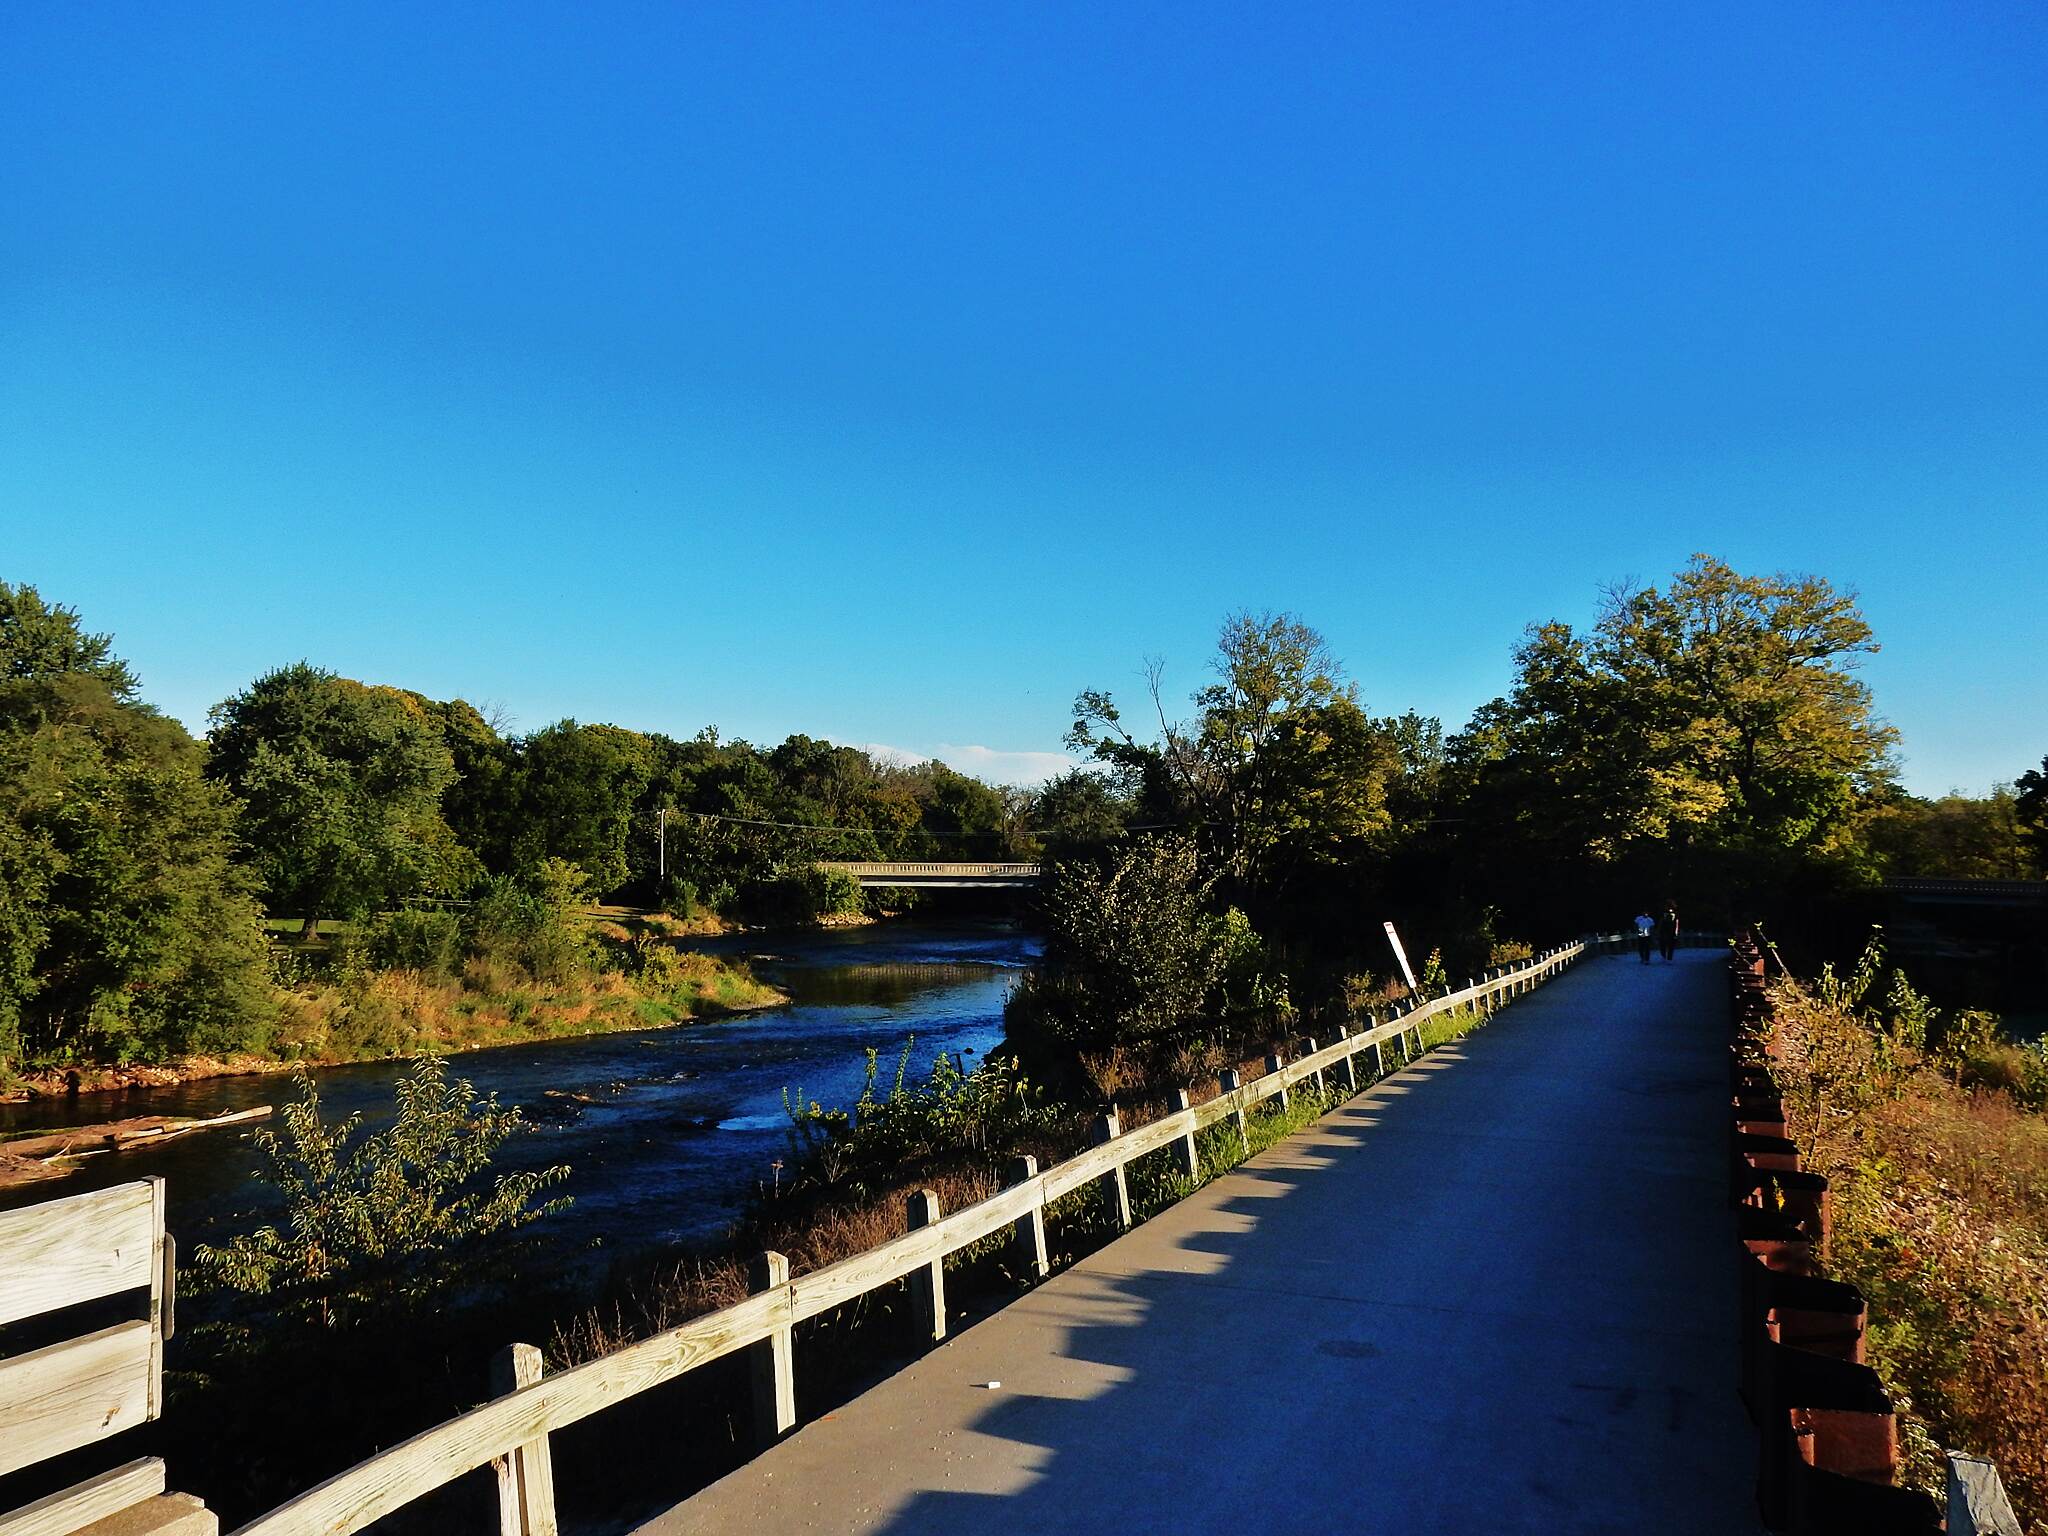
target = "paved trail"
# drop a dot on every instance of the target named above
(1492, 1294)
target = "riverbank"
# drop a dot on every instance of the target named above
(386, 1014)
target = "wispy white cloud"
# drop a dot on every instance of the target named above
(1028, 769)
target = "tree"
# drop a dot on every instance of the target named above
(384, 1209)
(1078, 812)
(341, 787)
(577, 787)
(1723, 710)
(40, 641)
(1280, 767)
(2031, 811)
(1956, 836)
(124, 928)
(1132, 951)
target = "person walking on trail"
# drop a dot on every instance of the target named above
(1646, 928)
(1667, 932)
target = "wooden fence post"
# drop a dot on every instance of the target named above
(526, 1477)
(773, 1360)
(1229, 1083)
(1349, 1067)
(928, 1283)
(1977, 1502)
(1190, 1159)
(1116, 1193)
(1028, 1239)
(1274, 1064)
(1319, 1070)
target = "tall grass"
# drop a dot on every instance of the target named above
(1940, 1187)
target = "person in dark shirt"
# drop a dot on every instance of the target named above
(1667, 932)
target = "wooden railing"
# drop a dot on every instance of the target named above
(511, 1431)
(78, 1391)
(885, 872)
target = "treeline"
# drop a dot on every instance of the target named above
(1707, 745)
(357, 797)
(142, 871)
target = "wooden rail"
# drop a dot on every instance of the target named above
(81, 1390)
(511, 1430)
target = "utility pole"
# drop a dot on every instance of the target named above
(661, 850)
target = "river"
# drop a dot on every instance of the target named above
(685, 1120)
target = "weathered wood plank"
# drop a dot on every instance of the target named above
(1184, 1145)
(1028, 1233)
(73, 1508)
(160, 1282)
(526, 1474)
(1977, 1501)
(70, 1394)
(392, 1479)
(1116, 1190)
(927, 1281)
(773, 1359)
(1063, 1178)
(61, 1252)
(1276, 1073)
(851, 1278)
(1228, 1104)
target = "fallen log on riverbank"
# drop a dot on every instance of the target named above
(52, 1154)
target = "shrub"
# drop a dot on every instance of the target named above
(986, 1112)
(1940, 1211)
(1250, 984)
(417, 939)
(532, 922)
(383, 1210)
(1131, 953)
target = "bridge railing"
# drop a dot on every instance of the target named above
(873, 869)
(511, 1431)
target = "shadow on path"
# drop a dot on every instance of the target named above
(1491, 1293)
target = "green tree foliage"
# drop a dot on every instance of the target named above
(1280, 767)
(532, 921)
(1079, 812)
(578, 787)
(40, 641)
(1132, 951)
(888, 1136)
(1703, 740)
(2030, 810)
(1963, 837)
(341, 787)
(1722, 709)
(125, 931)
(368, 1214)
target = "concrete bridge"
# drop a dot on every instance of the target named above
(1491, 1293)
(939, 873)
(1494, 1289)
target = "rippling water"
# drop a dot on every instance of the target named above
(685, 1120)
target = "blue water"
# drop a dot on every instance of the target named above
(685, 1121)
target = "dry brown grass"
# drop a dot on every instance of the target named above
(811, 1240)
(1941, 1216)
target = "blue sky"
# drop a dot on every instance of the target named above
(891, 373)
